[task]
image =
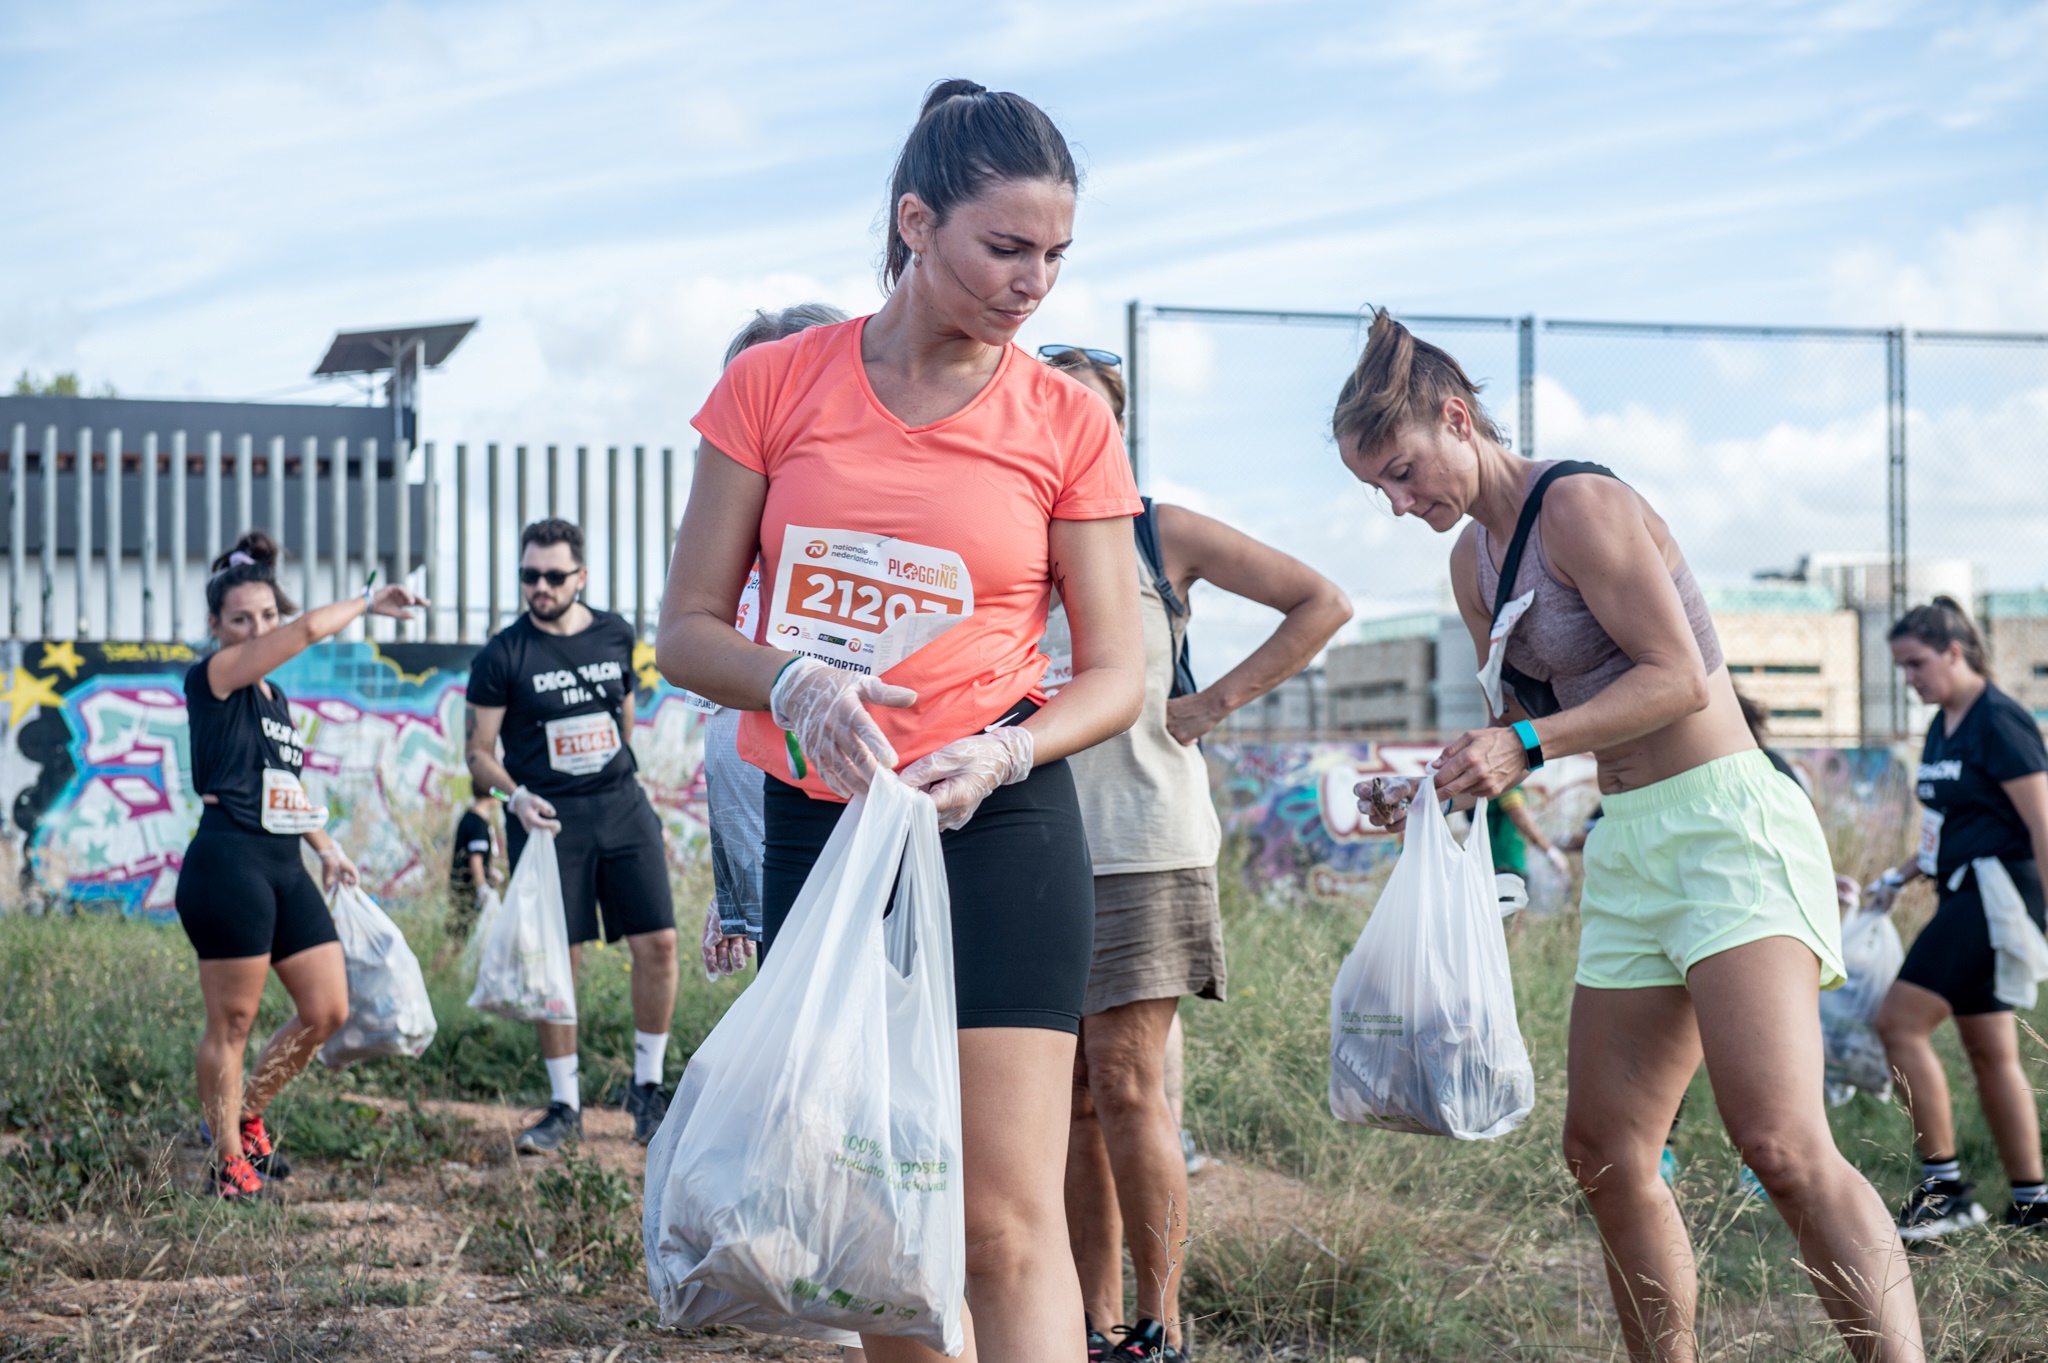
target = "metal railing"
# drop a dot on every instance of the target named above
(120, 552)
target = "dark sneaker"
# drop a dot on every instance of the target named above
(256, 1145)
(1940, 1207)
(648, 1104)
(236, 1180)
(562, 1125)
(1098, 1342)
(1145, 1341)
(2027, 1216)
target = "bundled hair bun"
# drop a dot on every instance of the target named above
(255, 548)
(253, 559)
(955, 88)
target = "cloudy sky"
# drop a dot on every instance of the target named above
(201, 193)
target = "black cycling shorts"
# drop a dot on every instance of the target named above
(1023, 893)
(247, 894)
(1952, 956)
(613, 857)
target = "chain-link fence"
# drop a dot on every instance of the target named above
(1817, 478)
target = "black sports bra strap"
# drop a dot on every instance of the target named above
(1511, 566)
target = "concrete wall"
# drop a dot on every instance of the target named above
(1383, 689)
(1805, 668)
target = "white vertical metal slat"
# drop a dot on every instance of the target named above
(337, 559)
(639, 541)
(212, 498)
(49, 545)
(401, 518)
(370, 485)
(149, 537)
(430, 498)
(461, 542)
(554, 480)
(668, 512)
(81, 545)
(245, 485)
(493, 491)
(309, 518)
(181, 535)
(114, 528)
(17, 526)
(611, 531)
(525, 507)
(274, 485)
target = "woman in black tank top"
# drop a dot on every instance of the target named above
(244, 898)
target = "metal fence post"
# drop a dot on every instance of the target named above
(494, 509)
(611, 530)
(149, 544)
(461, 543)
(1525, 352)
(274, 481)
(309, 515)
(114, 545)
(371, 475)
(212, 498)
(640, 541)
(401, 516)
(49, 546)
(17, 525)
(430, 549)
(1895, 498)
(181, 535)
(245, 484)
(1131, 424)
(337, 562)
(81, 547)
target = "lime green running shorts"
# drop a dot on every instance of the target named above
(1699, 863)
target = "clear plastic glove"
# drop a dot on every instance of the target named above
(1384, 801)
(826, 708)
(336, 868)
(394, 601)
(962, 774)
(723, 955)
(1555, 856)
(1880, 893)
(535, 813)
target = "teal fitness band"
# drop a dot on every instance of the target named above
(1532, 746)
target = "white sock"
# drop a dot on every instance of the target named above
(2030, 1192)
(648, 1050)
(1948, 1170)
(562, 1080)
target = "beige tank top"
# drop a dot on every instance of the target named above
(1144, 798)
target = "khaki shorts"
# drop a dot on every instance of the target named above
(1158, 935)
(1714, 858)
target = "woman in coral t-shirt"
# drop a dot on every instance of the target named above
(915, 487)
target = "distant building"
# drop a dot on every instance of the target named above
(1382, 684)
(2016, 636)
(1794, 649)
(1296, 708)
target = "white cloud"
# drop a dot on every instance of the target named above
(1990, 273)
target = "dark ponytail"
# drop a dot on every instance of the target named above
(253, 559)
(966, 138)
(1402, 380)
(1938, 624)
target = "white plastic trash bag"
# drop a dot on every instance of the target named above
(1423, 1036)
(807, 1179)
(522, 969)
(388, 1009)
(1854, 1054)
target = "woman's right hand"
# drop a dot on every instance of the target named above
(396, 601)
(536, 814)
(826, 708)
(1384, 801)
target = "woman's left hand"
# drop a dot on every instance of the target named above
(336, 868)
(395, 601)
(966, 771)
(1482, 763)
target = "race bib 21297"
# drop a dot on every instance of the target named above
(864, 602)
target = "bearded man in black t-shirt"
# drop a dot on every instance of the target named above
(555, 687)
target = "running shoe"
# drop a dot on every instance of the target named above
(1098, 1342)
(648, 1104)
(1667, 1166)
(2027, 1216)
(236, 1180)
(256, 1145)
(561, 1125)
(1145, 1342)
(1939, 1207)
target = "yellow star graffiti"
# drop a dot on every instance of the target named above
(25, 692)
(643, 665)
(62, 656)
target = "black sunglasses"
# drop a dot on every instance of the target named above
(1060, 352)
(555, 576)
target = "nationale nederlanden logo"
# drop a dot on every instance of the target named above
(815, 549)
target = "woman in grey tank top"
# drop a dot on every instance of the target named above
(1708, 923)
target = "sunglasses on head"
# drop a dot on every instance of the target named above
(1060, 352)
(555, 576)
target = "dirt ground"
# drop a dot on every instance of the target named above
(403, 1291)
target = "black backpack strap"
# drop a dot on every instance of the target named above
(1511, 566)
(1145, 526)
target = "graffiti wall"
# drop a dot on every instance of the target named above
(95, 757)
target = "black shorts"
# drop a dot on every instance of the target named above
(1952, 955)
(612, 857)
(1022, 887)
(247, 894)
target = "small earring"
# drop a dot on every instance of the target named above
(916, 259)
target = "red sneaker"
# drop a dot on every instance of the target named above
(256, 1145)
(236, 1180)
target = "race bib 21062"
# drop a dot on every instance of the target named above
(864, 602)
